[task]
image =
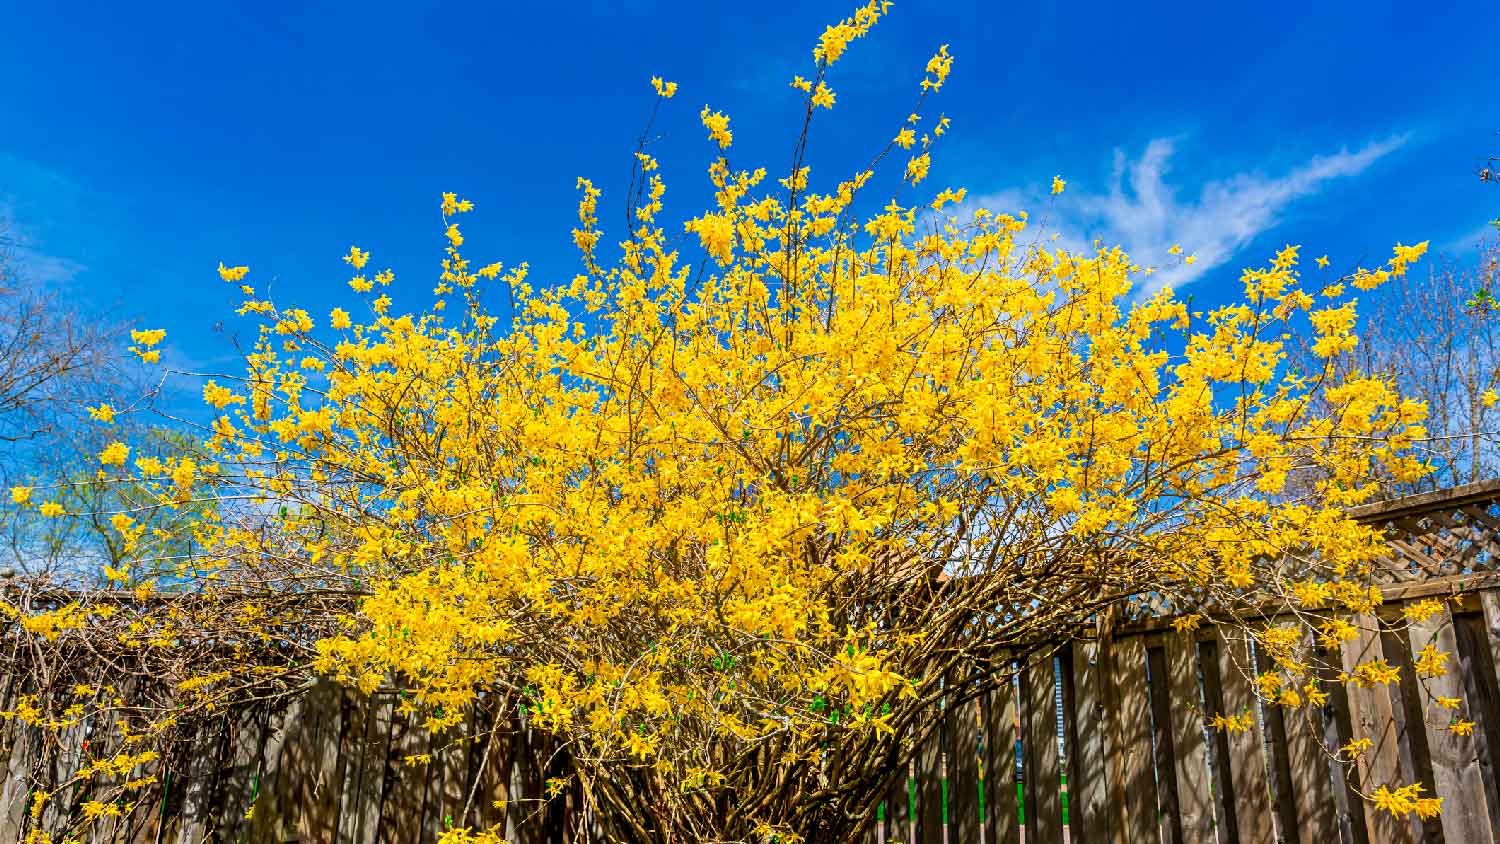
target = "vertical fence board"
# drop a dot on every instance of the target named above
(1135, 787)
(1070, 738)
(1416, 764)
(271, 803)
(930, 786)
(1455, 758)
(1482, 698)
(1338, 732)
(356, 763)
(25, 745)
(1252, 798)
(145, 821)
(963, 767)
(1039, 741)
(1195, 804)
(401, 811)
(433, 789)
(65, 764)
(1307, 766)
(319, 819)
(899, 826)
(454, 762)
(378, 771)
(530, 773)
(1088, 786)
(1164, 742)
(198, 784)
(1372, 716)
(481, 766)
(499, 763)
(1278, 763)
(1312, 790)
(240, 774)
(1002, 824)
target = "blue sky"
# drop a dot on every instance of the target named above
(141, 144)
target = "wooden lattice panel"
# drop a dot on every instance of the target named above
(1441, 534)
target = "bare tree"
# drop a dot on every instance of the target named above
(56, 361)
(1437, 336)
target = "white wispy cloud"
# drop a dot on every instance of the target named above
(31, 198)
(1466, 243)
(1143, 209)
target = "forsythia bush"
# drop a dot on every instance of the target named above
(724, 510)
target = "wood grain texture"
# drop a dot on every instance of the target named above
(1134, 794)
(1088, 763)
(1002, 821)
(1195, 800)
(1372, 717)
(964, 820)
(1039, 740)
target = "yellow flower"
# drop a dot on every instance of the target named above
(114, 454)
(360, 284)
(717, 124)
(51, 509)
(1375, 672)
(916, 169)
(148, 338)
(1233, 723)
(1175, 250)
(338, 318)
(938, 68)
(20, 494)
(1420, 611)
(823, 96)
(1489, 398)
(716, 233)
(453, 205)
(103, 413)
(1432, 662)
(664, 90)
(357, 258)
(232, 273)
(185, 473)
(1058, 184)
(1322, 262)
(1406, 800)
(218, 396)
(1185, 623)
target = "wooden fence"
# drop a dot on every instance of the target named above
(1103, 739)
